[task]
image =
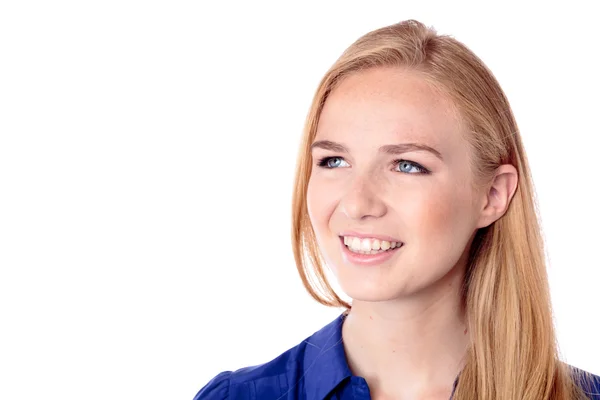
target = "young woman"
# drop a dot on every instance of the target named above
(413, 187)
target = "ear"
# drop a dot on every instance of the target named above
(497, 198)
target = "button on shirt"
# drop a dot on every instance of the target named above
(316, 369)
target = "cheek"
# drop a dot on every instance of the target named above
(443, 217)
(320, 204)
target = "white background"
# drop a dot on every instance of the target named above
(147, 151)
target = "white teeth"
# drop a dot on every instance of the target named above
(368, 245)
(365, 245)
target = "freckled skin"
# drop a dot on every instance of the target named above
(435, 215)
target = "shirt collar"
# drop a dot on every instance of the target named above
(325, 365)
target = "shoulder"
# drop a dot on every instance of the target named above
(281, 375)
(216, 389)
(272, 376)
(590, 383)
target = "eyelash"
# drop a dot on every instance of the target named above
(424, 171)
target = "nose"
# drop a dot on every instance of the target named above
(362, 199)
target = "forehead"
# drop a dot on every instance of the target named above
(389, 105)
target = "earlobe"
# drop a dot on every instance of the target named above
(499, 195)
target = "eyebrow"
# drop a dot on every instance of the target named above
(393, 149)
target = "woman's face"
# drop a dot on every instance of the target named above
(372, 188)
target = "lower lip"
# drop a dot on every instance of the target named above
(368, 259)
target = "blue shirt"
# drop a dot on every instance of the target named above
(316, 369)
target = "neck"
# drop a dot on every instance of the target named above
(409, 347)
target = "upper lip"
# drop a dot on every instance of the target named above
(370, 235)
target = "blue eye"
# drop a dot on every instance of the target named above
(331, 162)
(404, 166)
(401, 164)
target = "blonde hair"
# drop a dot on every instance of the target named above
(513, 353)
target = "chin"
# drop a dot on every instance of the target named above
(371, 291)
(371, 297)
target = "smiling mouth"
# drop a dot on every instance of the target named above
(369, 246)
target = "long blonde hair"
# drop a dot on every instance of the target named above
(513, 353)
